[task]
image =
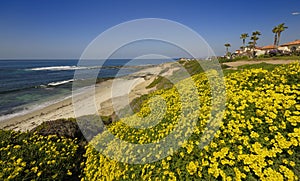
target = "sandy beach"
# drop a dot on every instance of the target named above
(121, 91)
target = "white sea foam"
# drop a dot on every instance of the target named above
(60, 68)
(64, 68)
(60, 82)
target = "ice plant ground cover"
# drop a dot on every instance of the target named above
(258, 138)
(25, 156)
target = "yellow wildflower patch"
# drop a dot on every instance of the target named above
(258, 138)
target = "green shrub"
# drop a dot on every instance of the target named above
(263, 56)
(241, 58)
(67, 128)
(262, 65)
(160, 83)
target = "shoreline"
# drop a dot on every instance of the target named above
(63, 109)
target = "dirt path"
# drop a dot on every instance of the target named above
(250, 62)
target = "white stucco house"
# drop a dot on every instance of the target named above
(290, 46)
(285, 48)
(248, 50)
(266, 49)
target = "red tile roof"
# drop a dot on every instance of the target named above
(268, 47)
(258, 48)
(296, 42)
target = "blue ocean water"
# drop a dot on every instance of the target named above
(28, 83)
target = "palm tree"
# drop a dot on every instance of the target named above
(254, 40)
(243, 37)
(227, 45)
(275, 31)
(249, 48)
(250, 45)
(281, 28)
(255, 37)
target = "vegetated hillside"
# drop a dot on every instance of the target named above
(258, 138)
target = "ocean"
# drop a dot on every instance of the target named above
(27, 85)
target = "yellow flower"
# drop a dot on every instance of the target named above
(34, 169)
(19, 160)
(17, 146)
(270, 162)
(69, 172)
(254, 134)
(39, 174)
(246, 168)
(54, 176)
(182, 154)
(285, 161)
(292, 163)
(192, 167)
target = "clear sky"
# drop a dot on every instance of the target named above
(63, 28)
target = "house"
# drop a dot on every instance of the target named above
(249, 51)
(284, 49)
(290, 46)
(264, 50)
(259, 51)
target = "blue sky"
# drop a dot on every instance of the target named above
(64, 28)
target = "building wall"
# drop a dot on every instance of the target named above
(288, 48)
(260, 52)
(297, 47)
(285, 48)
